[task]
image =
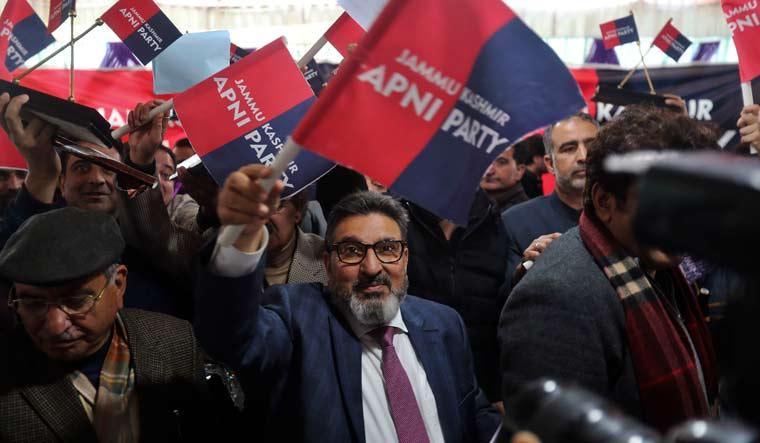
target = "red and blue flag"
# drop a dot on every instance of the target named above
(244, 113)
(59, 12)
(343, 33)
(142, 26)
(619, 32)
(23, 32)
(671, 41)
(743, 18)
(424, 110)
(236, 53)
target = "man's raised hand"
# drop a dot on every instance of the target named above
(243, 201)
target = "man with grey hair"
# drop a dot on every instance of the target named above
(533, 225)
(356, 360)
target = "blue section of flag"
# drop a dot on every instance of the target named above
(678, 47)
(626, 29)
(516, 72)
(144, 41)
(29, 37)
(260, 148)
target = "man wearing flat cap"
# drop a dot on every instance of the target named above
(78, 367)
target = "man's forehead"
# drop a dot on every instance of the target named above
(370, 227)
(572, 128)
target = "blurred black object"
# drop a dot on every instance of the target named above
(706, 204)
(566, 414)
(624, 97)
(73, 120)
(698, 431)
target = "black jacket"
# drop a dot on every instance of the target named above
(464, 273)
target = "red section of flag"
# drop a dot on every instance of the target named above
(666, 36)
(127, 15)
(9, 156)
(59, 12)
(610, 38)
(344, 32)
(360, 119)
(743, 18)
(264, 85)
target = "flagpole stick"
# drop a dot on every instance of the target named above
(646, 71)
(230, 233)
(747, 94)
(97, 23)
(163, 107)
(72, 16)
(309, 56)
(632, 71)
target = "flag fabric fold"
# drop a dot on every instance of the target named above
(344, 32)
(671, 41)
(424, 111)
(619, 32)
(59, 12)
(243, 114)
(23, 33)
(743, 18)
(236, 53)
(142, 26)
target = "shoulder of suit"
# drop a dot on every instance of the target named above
(428, 308)
(158, 327)
(311, 242)
(565, 266)
(526, 208)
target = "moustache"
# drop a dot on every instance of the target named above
(66, 335)
(376, 280)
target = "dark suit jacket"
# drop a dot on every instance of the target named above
(527, 221)
(38, 403)
(565, 321)
(302, 363)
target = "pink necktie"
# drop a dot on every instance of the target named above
(410, 427)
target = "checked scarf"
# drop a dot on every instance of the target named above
(115, 415)
(671, 387)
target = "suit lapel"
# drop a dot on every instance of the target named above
(428, 344)
(48, 390)
(347, 352)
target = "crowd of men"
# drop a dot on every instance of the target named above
(342, 314)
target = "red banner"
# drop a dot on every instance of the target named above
(743, 18)
(113, 93)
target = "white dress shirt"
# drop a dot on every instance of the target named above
(227, 261)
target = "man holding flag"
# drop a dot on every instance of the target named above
(355, 360)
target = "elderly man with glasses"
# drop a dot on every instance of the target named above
(356, 360)
(78, 367)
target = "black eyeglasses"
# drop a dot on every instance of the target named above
(353, 252)
(75, 305)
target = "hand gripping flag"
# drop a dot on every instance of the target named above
(671, 41)
(142, 26)
(243, 114)
(59, 12)
(424, 111)
(743, 18)
(24, 32)
(344, 32)
(619, 32)
(236, 53)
